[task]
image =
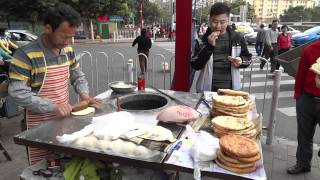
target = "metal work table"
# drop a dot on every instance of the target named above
(44, 136)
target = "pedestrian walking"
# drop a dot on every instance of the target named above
(144, 45)
(260, 40)
(271, 45)
(284, 42)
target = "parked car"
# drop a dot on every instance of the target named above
(21, 37)
(251, 37)
(307, 36)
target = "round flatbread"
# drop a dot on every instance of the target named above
(84, 112)
(238, 146)
(315, 68)
(229, 100)
(235, 165)
(231, 92)
(219, 112)
(246, 160)
(231, 123)
(236, 170)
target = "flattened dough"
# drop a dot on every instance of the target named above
(84, 112)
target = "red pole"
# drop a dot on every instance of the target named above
(183, 45)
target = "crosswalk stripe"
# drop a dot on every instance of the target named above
(288, 111)
(269, 83)
(282, 94)
(261, 75)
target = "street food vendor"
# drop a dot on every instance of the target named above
(216, 47)
(40, 71)
(307, 97)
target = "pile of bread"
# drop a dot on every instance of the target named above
(232, 103)
(238, 154)
(229, 125)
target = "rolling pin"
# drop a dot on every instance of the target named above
(80, 106)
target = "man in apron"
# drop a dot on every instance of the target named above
(40, 71)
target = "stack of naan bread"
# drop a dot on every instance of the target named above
(232, 103)
(228, 125)
(238, 154)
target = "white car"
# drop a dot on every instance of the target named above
(21, 37)
(251, 37)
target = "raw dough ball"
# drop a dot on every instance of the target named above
(88, 142)
(103, 145)
(84, 112)
(129, 148)
(117, 146)
(141, 151)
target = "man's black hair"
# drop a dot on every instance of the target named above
(261, 26)
(284, 26)
(275, 20)
(143, 32)
(219, 8)
(60, 13)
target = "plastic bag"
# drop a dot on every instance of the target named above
(236, 79)
(204, 81)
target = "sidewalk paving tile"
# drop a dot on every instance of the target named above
(313, 175)
(267, 157)
(292, 150)
(280, 152)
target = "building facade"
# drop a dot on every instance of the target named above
(266, 10)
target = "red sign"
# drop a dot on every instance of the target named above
(103, 18)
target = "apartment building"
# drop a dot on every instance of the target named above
(266, 10)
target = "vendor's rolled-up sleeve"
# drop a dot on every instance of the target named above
(77, 78)
(23, 96)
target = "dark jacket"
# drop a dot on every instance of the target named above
(144, 43)
(203, 50)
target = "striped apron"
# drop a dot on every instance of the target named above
(54, 87)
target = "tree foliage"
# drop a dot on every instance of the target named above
(300, 13)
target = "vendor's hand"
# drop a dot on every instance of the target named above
(91, 100)
(317, 79)
(62, 110)
(213, 37)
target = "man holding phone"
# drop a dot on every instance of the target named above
(216, 45)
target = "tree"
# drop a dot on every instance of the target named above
(296, 14)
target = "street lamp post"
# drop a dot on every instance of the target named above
(141, 16)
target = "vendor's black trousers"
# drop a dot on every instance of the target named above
(308, 116)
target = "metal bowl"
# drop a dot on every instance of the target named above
(122, 87)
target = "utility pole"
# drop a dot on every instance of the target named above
(141, 16)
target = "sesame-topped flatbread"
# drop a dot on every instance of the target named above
(231, 123)
(238, 146)
(229, 100)
(231, 92)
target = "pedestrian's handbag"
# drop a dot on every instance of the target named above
(204, 81)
